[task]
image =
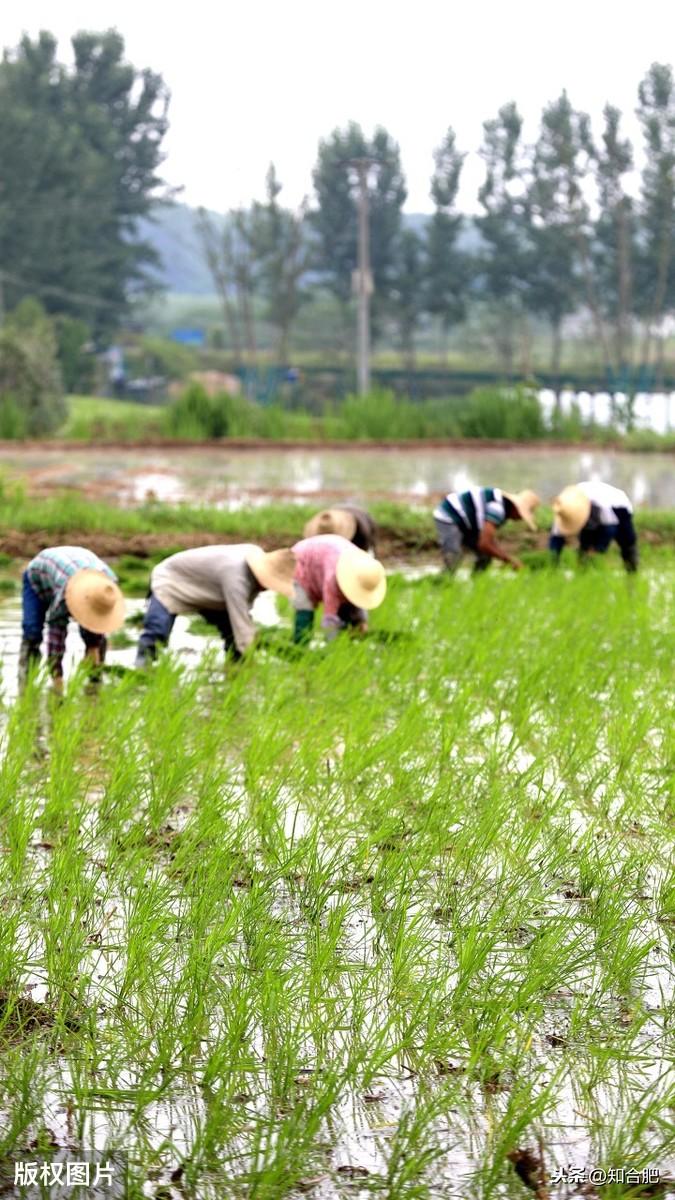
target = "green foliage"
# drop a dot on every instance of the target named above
(282, 257)
(78, 367)
(335, 218)
(80, 147)
(512, 413)
(31, 393)
(197, 415)
(160, 356)
(94, 419)
(447, 268)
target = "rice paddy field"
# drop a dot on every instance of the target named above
(392, 916)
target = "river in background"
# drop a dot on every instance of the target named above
(233, 478)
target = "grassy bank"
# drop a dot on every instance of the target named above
(62, 517)
(486, 414)
(382, 919)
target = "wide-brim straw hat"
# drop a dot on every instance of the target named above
(524, 503)
(273, 570)
(331, 520)
(361, 578)
(571, 509)
(95, 601)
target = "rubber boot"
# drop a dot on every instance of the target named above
(302, 630)
(29, 653)
(94, 657)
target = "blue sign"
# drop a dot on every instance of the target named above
(189, 337)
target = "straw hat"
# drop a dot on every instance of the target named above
(571, 509)
(361, 578)
(524, 504)
(331, 520)
(95, 601)
(274, 570)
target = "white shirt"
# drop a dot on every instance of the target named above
(606, 498)
(210, 577)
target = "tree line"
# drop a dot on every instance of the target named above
(559, 231)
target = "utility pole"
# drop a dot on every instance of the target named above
(362, 280)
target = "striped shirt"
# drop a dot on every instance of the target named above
(48, 574)
(471, 509)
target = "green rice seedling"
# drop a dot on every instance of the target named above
(411, 896)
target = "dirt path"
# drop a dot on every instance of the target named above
(257, 444)
(391, 546)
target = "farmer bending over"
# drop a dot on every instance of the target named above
(331, 571)
(470, 520)
(352, 523)
(599, 514)
(218, 582)
(60, 583)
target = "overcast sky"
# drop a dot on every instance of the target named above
(262, 80)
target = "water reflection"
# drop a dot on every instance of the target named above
(183, 642)
(231, 478)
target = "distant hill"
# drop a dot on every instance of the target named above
(182, 270)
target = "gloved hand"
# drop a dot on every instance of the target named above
(302, 629)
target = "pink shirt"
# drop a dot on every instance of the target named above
(316, 559)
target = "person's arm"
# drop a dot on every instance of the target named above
(488, 544)
(332, 601)
(238, 604)
(56, 647)
(556, 544)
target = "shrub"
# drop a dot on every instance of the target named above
(513, 413)
(197, 415)
(31, 391)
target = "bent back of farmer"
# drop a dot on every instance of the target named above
(333, 572)
(598, 514)
(468, 521)
(346, 520)
(219, 583)
(63, 582)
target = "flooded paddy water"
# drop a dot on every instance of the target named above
(233, 478)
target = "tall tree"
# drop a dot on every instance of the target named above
(656, 290)
(218, 246)
(446, 267)
(407, 292)
(229, 245)
(283, 255)
(551, 284)
(615, 231)
(565, 155)
(335, 221)
(502, 225)
(80, 150)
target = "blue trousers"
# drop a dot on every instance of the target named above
(159, 622)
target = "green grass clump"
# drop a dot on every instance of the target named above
(368, 918)
(97, 418)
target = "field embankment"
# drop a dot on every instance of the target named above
(405, 532)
